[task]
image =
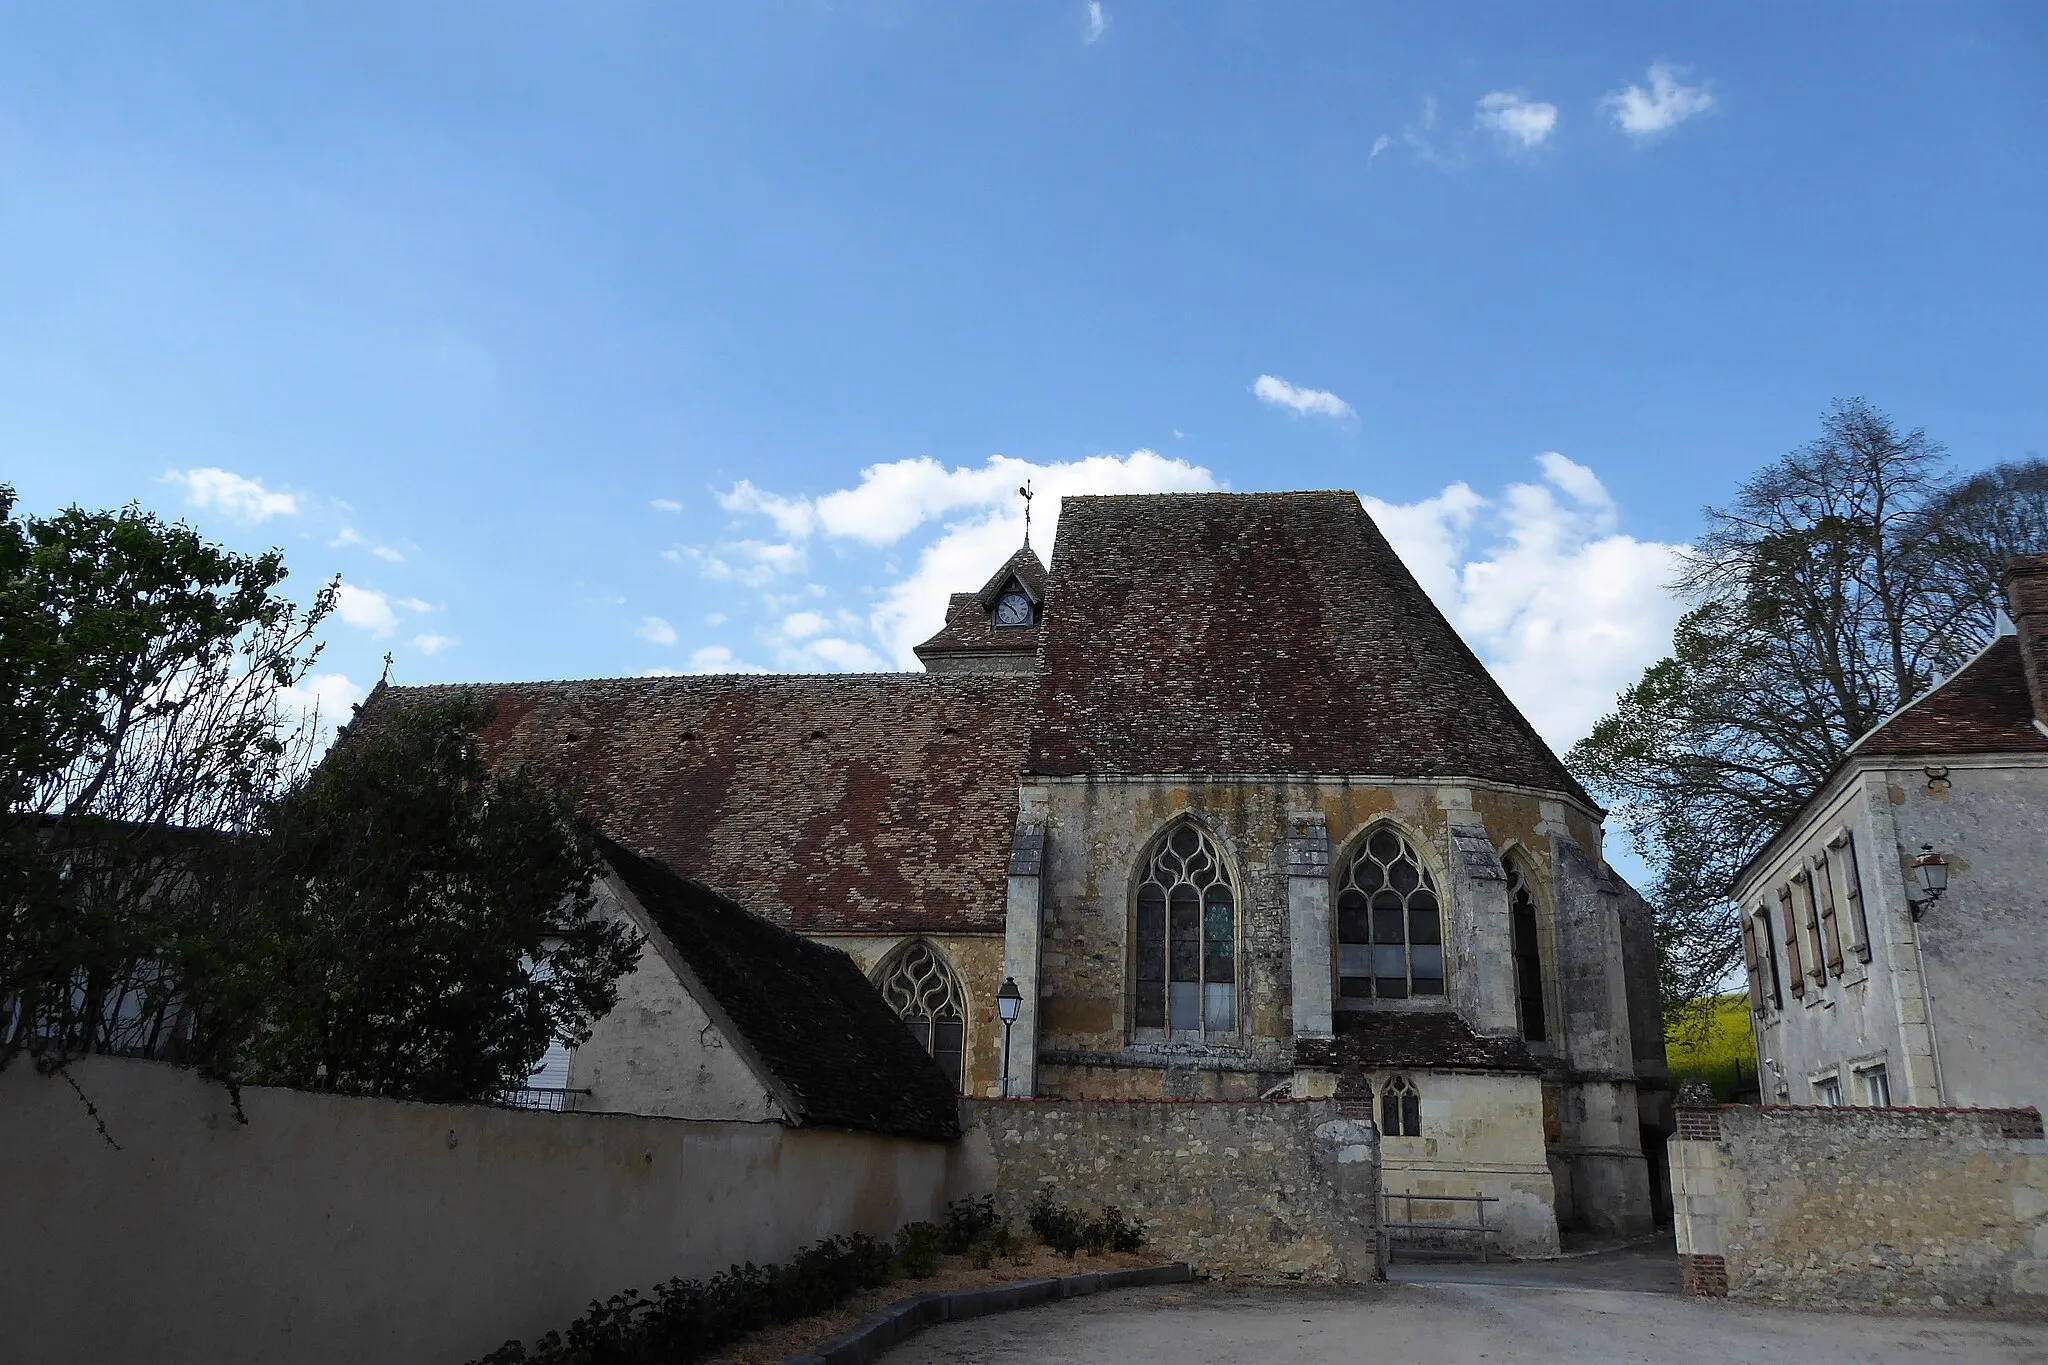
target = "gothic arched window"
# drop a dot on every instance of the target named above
(1186, 937)
(1400, 1109)
(925, 993)
(1528, 957)
(1389, 930)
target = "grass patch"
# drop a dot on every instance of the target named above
(1709, 1040)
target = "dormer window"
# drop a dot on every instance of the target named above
(1013, 608)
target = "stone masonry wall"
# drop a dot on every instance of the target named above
(1280, 1189)
(1832, 1208)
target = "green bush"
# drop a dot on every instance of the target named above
(687, 1319)
(999, 1240)
(968, 1221)
(917, 1249)
(1067, 1231)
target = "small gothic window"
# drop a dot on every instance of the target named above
(1389, 935)
(1186, 974)
(923, 990)
(1528, 958)
(1400, 1109)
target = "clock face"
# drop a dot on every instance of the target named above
(1013, 609)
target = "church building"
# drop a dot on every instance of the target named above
(1232, 804)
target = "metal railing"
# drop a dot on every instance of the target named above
(1410, 1224)
(553, 1098)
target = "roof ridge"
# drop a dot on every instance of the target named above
(1901, 709)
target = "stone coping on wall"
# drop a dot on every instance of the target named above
(877, 1333)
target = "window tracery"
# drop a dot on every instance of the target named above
(1400, 1108)
(925, 993)
(1186, 937)
(1389, 923)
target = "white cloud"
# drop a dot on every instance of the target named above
(328, 699)
(715, 618)
(1096, 24)
(348, 536)
(1522, 121)
(654, 630)
(1645, 113)
(751, 563)
(797, 625)
(792, 516)
(217, 490)
(666, 505)
(1379, 144)
(433, 644)
(1282, 394)
(719, 659)
(415, 604)
(1564, 608)
(365, 609)
(845, 655)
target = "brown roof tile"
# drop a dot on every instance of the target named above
(1377, 1040)
(1260, 633)
(1983, 708)
(805, 1009)
(851, 804)
(970, 624)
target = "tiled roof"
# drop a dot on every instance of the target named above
(971, 629)
(1026, 568)
(803, 1008)
(970, 624)
(1984, 708)
(1379, 1040)
(860, 803)
(1260, 633)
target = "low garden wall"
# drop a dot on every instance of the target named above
(329, 1228)
(1837, 1208)
(1266, 1189)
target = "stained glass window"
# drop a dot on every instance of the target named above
(1389, 929)
(1186, 937)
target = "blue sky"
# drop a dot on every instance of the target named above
(604, 338)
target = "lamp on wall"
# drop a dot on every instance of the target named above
(1930, 875)
(1008, 1001)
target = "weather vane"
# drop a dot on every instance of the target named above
(1025, 493)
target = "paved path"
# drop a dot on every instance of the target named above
(1454, 1324)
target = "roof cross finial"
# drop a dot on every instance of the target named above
(1025, 493)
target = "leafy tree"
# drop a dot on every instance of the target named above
(430, 923)
(146, 710)
(178, 881)
(1840, 583)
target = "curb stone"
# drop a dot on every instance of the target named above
(879, 1331)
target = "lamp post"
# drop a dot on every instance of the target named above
(1930, 874)
(1008, 1001)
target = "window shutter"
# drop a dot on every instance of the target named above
(1756, 985)
(1852, 893)
(1802, 896)
(1791, 921)
(1824, 895)
(1767, 949)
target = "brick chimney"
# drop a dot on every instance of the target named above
(2026, 589)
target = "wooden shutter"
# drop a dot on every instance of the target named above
(1790, 918)
(1852, 893)
(1767, 949)
(1824, 896)
(1756, 984)
(1809, 918)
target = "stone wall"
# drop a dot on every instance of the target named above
(1273, 1190)
(1833, 1208)
(334, 1229)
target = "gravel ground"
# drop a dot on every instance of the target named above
(1438, 1323)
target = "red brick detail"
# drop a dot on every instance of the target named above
(1705, 1276)
(1699, 1125)
(1354, 1109)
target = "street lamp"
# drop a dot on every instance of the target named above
(1008, 1001)
(1930, 874)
